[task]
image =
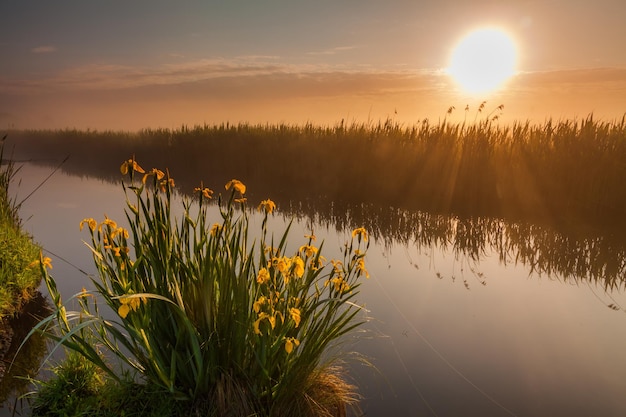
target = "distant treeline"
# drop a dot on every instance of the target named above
(559, 172)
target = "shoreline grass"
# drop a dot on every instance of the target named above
(19, 255)
(559, 172)
(21, 303)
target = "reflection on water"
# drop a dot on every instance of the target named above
(568, 255)
(443, 344)
(17, 365)
(595, 258)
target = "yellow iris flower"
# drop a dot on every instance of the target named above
(89, 222)
(117, 250)
(119, 230)
(360, 232)
(308, 250)
(130, 164)
(205, 192)
(263, 276)
(123, 232)
(317, 265)
(129, 304)
(290, 344)
(123, 310)
(339, 284)
(282, 264)
(360, 266)
(236, 185)
(268, 205)
(108, 222)
(298, 268)
(337, 265)
(156, 172)
(263, 316)
(255, 325)
(259, 303)
(295, 315)
(45, 261)
(165, 183)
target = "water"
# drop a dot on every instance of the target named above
(455, 327)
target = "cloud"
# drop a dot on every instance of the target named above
(569, 93)
(584, 76)
(45, 49)
(332, 51)
(95, 77)
(265, 89)
(113, 76)
(268, 76)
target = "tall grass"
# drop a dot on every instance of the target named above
(19, 271)
(208, 313)
(560, 175)
(560, 172)
(20, 301)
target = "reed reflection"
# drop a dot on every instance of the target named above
(593, 258)
(20, 362)
(274, 162)
(573, 258)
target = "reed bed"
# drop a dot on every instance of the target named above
(559, 172)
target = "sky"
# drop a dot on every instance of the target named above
(129, 65)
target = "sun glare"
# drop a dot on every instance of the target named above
(483, 60)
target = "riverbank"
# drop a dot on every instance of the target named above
(21, 304)
(19, 255)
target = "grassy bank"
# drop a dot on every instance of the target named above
(21, 304)
(19, 270)
(559, 172)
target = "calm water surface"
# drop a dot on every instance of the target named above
(448, 335)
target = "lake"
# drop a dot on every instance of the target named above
(465, 317)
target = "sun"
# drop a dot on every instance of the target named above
(483, 60)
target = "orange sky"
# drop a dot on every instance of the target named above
(153, 64)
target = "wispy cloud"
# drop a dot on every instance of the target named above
(114, 77)
(261, 92)
(332, 51)
(44, 49)
(266, 87)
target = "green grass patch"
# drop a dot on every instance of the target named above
(19, 255)
(80, 388)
